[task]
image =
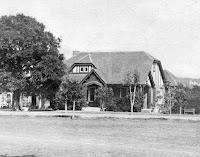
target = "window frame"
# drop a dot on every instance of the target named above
(81, 67)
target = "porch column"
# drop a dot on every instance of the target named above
(86, 94)
(146, 96)
(145, 101)
(149, 97)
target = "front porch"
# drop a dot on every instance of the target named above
(148, 92)
(90, 97)
(120, 92)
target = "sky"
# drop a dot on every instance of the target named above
(169, 30)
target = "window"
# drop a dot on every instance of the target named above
(81, 69)
(123, 91)
(8, 98)
(154, 68)
(84, 69)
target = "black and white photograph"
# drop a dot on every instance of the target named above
(100, 78)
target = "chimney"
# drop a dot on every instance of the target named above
(76, 53)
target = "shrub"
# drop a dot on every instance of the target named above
(139, 101)
(104, 96)
(70, 90)
(123, 104)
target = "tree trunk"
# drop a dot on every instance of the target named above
(180, 110)
(102, 105)
(170, 103)
(131, 99)
(33, 101)
(16, 100)
(42, 102)
(52, 102)
(134, 95)
(73, 109)
(65, 105)
(170, 111)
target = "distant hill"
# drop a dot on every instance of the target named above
(188, 81)
(185, 81)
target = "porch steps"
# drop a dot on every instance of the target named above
(91, 109)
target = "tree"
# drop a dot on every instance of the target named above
(169, 97)
(71, 92)
(193, 97)
(180, 97)
(139, 101)
(132, 78)
(30, 62)
(104, 94)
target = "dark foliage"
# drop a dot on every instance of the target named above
(139, 101)
(30, 62)
(123, 104)
(190, 96)
(69, 91)
(119, 105)
(104, 96)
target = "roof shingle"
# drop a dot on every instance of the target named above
(113, 66)
(170, 77)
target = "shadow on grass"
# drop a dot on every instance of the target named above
(18, 156)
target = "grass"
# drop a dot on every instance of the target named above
(18, 156)
(57, 136)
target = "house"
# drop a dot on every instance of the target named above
(6, 99)
(97, 69)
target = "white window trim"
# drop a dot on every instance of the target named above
(82, 69)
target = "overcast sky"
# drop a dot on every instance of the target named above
(167, 29)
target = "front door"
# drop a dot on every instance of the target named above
(91, 96)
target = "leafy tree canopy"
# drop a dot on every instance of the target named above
(70, 90)
(180, 96)
(132, 77)
(29, 56)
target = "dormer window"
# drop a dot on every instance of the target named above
(82, 68)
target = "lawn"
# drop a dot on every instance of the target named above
(57, 137)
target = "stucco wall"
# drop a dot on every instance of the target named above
(159, 83)
(157, 77)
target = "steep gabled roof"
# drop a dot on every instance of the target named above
(170, 77)
(78, 77)
(113, 66)
(98, 75)
(85, 59)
